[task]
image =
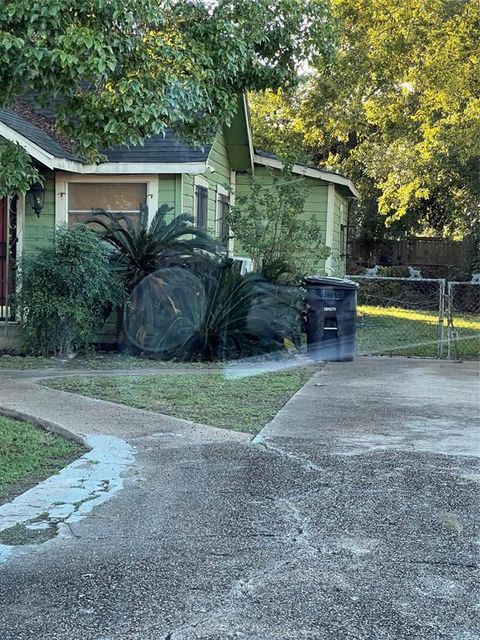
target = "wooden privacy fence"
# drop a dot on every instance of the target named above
(417, 252)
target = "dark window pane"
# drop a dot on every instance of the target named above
(343, 240)
(201, 207)
(223, 230)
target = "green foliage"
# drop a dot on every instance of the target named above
(397, 109)
(270, 225)
(66, 291)
(140, 249)
(127, 69)
(16, 173)
(278, 125)
(218, 315)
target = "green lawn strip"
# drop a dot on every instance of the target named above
(379, 336)
(244, 404)
(29, 454)
(23, 363)
(99, 362)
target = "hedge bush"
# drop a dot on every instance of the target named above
(66, 291)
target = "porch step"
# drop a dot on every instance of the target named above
(10, 336)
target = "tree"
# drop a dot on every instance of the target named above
(117, 71)
(278, 124)
(269, 224)
(16, 172)
(398, 109)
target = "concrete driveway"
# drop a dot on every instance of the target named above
(354, 515)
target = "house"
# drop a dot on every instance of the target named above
(202, 182)
(328, 195)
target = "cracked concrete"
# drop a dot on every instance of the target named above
(69, 495)
(344, 520)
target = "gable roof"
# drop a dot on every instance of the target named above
(267, 159)
(33, 127)
(158, 148)
(238, 137)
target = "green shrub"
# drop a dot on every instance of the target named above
(214, 316)
(142, 248)
(67, 290)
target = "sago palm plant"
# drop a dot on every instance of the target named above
(139, 249)
(215, 316)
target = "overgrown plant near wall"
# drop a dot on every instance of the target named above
(66, 291)
(139, 249)
(269, 224)
(217, 315)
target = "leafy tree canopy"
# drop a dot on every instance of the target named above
(116, 71)
(16, 172)
(398, 109)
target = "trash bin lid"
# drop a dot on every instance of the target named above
(327, 281)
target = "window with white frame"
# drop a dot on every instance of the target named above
(85, 197)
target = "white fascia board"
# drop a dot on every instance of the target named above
(201, 181)
(52, 162)
(31, 148)
(310, 173)
(131, 167)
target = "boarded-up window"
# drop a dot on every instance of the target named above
(201, 207)
(85, 197)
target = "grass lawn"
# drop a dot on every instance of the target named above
(99, 362)
(389, 330)
(29, 454)
(244, 404)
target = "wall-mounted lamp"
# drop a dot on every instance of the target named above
(35, 197)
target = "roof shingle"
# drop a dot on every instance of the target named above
(159, 148)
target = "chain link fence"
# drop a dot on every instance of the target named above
(463, 320)
(400, 316)
(422, 317)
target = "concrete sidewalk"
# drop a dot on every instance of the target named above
(353, 516)
(82, 416)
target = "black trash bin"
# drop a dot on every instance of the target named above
(331, 314)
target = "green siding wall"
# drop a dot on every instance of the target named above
(188, 191)
(315, 202)
(167, 194)
(219, 161)
(242, 185)
(37, 232)
(316, 207)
